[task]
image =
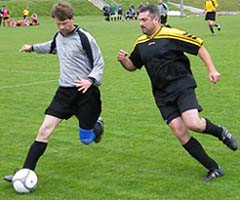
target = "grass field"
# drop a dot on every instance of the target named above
(139, 158)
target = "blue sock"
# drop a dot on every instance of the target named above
(86, 136)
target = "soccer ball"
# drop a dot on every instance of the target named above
(24, 181)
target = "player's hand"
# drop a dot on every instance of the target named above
(214, 77)
(121, 55)
(82, 84)
(26, 48)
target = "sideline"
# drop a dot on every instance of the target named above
(26, 84)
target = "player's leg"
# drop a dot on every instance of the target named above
(58, 107)
(210, 18)
(172, 117)
(210, 25)
(190, 115)
(218, 26)
(88, 113)
(39, 146)
(195, 149)
(189, 108)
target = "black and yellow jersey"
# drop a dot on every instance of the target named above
(210, 5)
(163, 55)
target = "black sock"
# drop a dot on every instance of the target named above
(34, 153)
(211, 29)
(195, 149)
(213, 129)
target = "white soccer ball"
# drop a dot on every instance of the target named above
(24, 181)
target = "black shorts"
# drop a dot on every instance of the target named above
(186, 100)
(69, 101)
(210, 16)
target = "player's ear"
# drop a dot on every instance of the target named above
(156, 19)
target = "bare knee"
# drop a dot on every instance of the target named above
(197, 124)
(180, 130)
(44, 133)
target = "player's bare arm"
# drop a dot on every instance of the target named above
(125, 61)
(213, 74)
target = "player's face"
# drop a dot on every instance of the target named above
(148, 25)
(65, 26)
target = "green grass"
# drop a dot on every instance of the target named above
(138, 158)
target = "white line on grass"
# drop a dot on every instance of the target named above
(26, 84)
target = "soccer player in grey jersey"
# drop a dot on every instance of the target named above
(78, 93)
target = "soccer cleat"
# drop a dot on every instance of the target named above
(98, 130)
(229, 140)
(218, 27)
(9, 178)
(212, 174)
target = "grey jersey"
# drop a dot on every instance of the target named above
(73, 60)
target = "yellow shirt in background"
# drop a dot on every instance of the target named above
(25, 12)
(210, 5)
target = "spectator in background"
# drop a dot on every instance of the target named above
(210, 8)
(128, 15)
(119, 12)
(163, 10)
(1, 16)
(25, 12)
(112, 12)
(106, 12)
(133, 12)
(5, 16)
(26, 22)
(34, 18)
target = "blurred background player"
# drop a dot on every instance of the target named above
(25, 12)
(163, 10)
(210, 8)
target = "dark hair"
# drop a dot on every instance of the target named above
(153, 10)
(62, 11)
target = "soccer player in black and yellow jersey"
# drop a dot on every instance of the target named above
(162, 51)
(210, 8)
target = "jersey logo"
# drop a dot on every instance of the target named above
(151, 43)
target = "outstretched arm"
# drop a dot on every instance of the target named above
(26, 48)
(213, 74)
(125, 61)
